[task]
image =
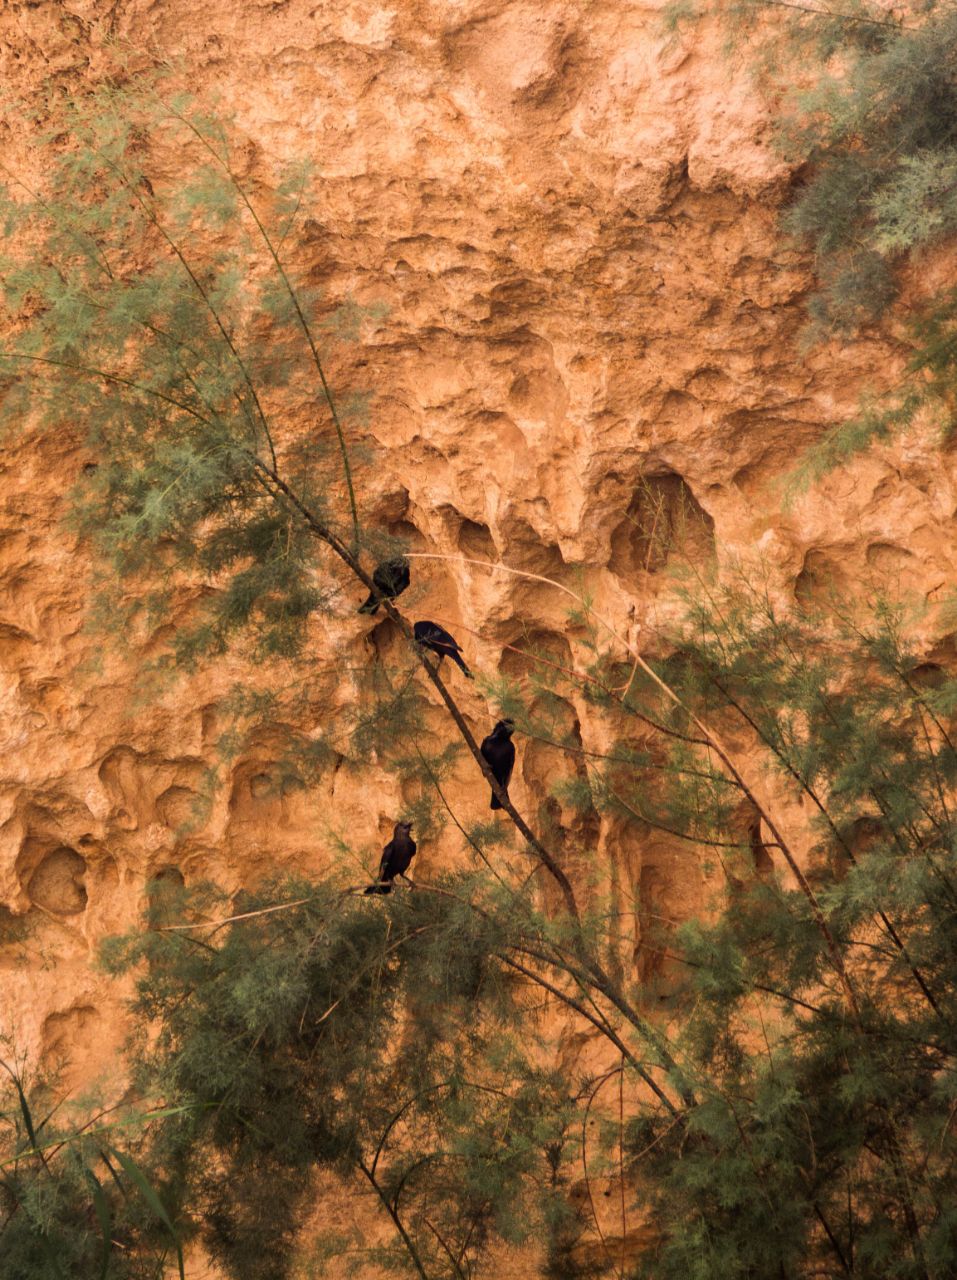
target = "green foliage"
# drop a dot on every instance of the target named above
(394, 1041)
(151, 310)
(811, 1150)
(72, 1204)
(865, 102)
(159, 328)
(380, 1042)
(880, 139)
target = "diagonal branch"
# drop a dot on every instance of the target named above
(712, 740)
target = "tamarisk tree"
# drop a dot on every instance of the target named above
(789, 1107)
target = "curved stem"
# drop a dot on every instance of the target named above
(294, 298)
(396, 1220)
(621, 1161)
(591, 1200)
(92, 372)
(154, 219)
(456, 1265)
(851, 18)
(821, 808)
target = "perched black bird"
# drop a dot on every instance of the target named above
(499, 753)
(396, 857)
(391, 578)
(431, 636)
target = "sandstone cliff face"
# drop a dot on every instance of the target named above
(570, 217)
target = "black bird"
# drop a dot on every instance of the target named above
(396, 857)
(431, 636)
(391, 578)
(498, 751)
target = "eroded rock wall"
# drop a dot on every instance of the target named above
(570, 216)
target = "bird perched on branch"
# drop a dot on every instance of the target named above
(436, 639)
(498, 751)
(390, 579)
(396, 857)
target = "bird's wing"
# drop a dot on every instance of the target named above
(441, 636)
(387, 853)
(404, 856)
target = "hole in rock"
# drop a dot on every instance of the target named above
(256, 792)
(760, 855)
(927, 675)
(386, 641)
(177, 807)
(753, 857)
(663, 519)
(525, 549)
(260, 785)
(13, 928)
(475, 541)
(210, 723)
(654, 926)
(944, 652)
(863, 834)
(405, 532)
(69, 1035)
(58, 882)
(164, 891)
(545, 656)
(169, 876)
(14, 641)
(550, 758)
(820, 582)
(887, 557)
(832, 860)
(390, 506)
(119, 773)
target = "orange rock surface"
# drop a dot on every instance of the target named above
(571, 218)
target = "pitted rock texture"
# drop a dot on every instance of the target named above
(590, 335)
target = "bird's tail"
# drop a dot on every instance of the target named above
(456, 657)
(378, 887)
(371, 605)
(496, 804)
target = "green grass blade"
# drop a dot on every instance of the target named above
(60, 1141)
(25, 1110)
(102, 1209)
(146, 1190)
